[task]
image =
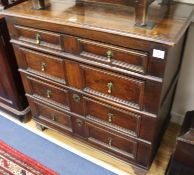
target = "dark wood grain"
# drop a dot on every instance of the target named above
(120, 119)
(111, 141)
(68, 16)
(48, 92)
(44, 64)
(123, 90)
(121, 57)
(51, 117)
(12, 99)
(39, 37)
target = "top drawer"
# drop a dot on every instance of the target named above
(39, 37)
(114, 56)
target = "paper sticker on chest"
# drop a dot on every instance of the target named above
(158, 53)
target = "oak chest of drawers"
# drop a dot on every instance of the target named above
(90, 73)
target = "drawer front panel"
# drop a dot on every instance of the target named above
(113, 117)
(50, 115)
(114, 87)
(114, 56)
(111, 141)
(45, 65)
(39, 37)
(49, 92)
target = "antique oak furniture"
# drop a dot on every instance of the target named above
(182, 161)
(12, 96)
(88, 72)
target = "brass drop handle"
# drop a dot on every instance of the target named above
(109, 55)
(79, 123)
(48, 93)
(110, 141)
(110, 86)
(38, 38)
(76, 98)
(43, 66)
(54, 118)
(110, 117)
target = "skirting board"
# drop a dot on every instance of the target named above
(176, 118)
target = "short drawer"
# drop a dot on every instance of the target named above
(111, 141)
(57, 95)
(110, 116)
(49, 116)
(39, 37)
(114, 87)
(114, 56)
(45, 65)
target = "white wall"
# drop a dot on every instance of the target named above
(184, 98)
(186, 1)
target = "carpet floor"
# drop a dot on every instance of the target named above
(14, 162)
(49, 154)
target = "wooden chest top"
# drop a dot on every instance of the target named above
(171, 22)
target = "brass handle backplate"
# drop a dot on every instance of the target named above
(38, 38)
(109, 55)
(48, 93)
(43, 66)
(110, 117)
(79, 123)
(110, 141)
(110, 86)
(76, 98)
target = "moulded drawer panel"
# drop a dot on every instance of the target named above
(46, 65)
(50, 116)
(111, 141)
(110, 116)
(121, 89)
(49, 92)
(39, 37)
(114, 56)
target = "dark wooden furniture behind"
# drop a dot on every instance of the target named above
(90, 73)
(140, 7)
(12, 95)
(182, 161)
(8, 3)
